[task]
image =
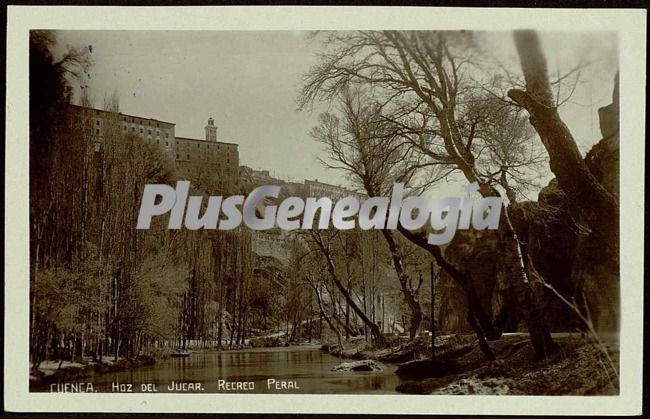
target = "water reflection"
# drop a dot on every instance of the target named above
(307, 367)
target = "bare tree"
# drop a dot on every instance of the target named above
(312, 275)
(583, 191)
(590, 204)
(506, 153)
(421, 81)
(324, 243)
(353, 145)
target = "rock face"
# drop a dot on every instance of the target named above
(580, 266)
(478, 254)
(556, 247)
(367, 365)
(603, 158)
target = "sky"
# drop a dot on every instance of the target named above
(248, 81)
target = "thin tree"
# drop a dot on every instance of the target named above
(421, 80)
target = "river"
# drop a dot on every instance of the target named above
(304, 367)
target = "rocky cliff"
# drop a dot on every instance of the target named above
(557, 248)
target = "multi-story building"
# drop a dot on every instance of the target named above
(103, 123)
(151, 130)
(316, 189)
(221, 158)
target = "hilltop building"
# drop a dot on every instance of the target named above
(221, 157)
(274, 242)
(101, 124)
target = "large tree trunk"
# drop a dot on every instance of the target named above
(589, 202)
(527, 304)
(526, 301)
(598, 207)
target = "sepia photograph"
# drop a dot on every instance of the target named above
(314, 212)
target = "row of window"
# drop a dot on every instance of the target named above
(198, 158)
(158, 142)
(98, 132)
(98, 123)
(125, 119)
(198, 145)
(148, 131)
(132, 120)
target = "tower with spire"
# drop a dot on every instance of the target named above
(211, 131)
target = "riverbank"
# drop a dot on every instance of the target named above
(55, 371)
(397, 353)
(50, 372)
(580, 367)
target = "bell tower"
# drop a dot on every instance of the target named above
(211, 131)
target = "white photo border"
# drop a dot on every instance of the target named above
(630, 25)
